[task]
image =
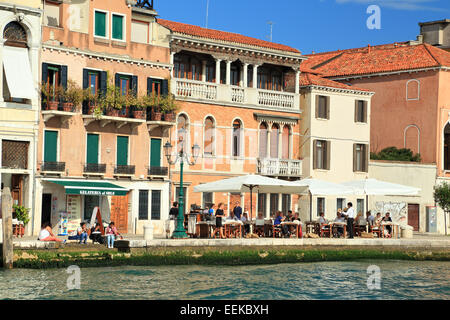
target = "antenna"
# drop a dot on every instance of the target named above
(207, 13)
(271, 29)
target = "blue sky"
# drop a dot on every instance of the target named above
(310, 25)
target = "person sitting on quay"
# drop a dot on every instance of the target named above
(339, 229)
(370, 219)
(111, 234)
(46, 233)
(96, 235)
(81, 233)
(244, 219)
(277, 224)
(378, 219)
(388, 228)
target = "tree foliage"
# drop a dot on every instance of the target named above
(442, 196)
(394, 154)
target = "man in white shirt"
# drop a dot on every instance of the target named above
(350, 218)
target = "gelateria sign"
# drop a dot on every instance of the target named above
(91, 188)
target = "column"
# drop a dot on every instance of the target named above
(228, 81)
(1, 70)
(280, 201)
(204, 62)
(267, 213)
(297, 81)
(280, 141)
(172, 59)
(255, 76)
(218, 61)
(269, 134)
(245, 75)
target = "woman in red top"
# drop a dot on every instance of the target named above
(111, 233)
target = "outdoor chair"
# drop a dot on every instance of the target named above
(259, 227)
(325, 229)
(276, 230)
(375, 230)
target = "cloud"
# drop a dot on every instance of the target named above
(411, 5)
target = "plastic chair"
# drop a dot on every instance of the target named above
(325, 229)
(276, 230)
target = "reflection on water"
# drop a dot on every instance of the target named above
(325, 280)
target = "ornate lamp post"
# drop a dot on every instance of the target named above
(179, 232)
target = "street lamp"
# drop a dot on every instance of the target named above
(179, 232)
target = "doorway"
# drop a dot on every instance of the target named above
(413, 216)
(46, 212)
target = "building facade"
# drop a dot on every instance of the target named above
(239, 100)
(90, 157)
(20, 25)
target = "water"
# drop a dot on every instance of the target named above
(325, 280)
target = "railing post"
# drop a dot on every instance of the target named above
(7, 229)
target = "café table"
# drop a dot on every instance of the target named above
(297, 225)
(233, 228)
(395, 229)
(312, 227)
(338, 224)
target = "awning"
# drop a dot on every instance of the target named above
(18, 72)
(90, 188)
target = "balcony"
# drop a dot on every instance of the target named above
(53, 167)
(280, 167)
(64, 113)
(97, 169)
(124, 170)
(207, 92)
(158, 171)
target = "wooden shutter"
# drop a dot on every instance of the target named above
(165, 87)
(327, 108)
(328, 154)
(50, 146)
(366, 158)
(354, 157)
(134, 85)
(356, 111)
(317, 106)
(122, 151)
(149, 86)
(85, 78)
(92, 149)
(103, 82)
(44, 72)
(64, 76)
(314, 154)
(155, 153)
(365, 111)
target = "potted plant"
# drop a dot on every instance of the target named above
(22, 214)
(72, 96)
(50, 96)
(168, 107)
(91, 99)
(153, 102)
(112, 100)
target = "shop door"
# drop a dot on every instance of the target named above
(119, 213)
(90, 202)
(17, 188)
(413, 216)
(46, 207)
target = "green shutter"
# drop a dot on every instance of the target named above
(117, 31)
(51, 145)
(100, 24)
(122, 151)
(92, 148)
(155, 153)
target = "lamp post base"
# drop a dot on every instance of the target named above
(179, 235)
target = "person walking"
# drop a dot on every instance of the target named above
(350, 218)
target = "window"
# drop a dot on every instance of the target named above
(209, 136)
(322, 107)
(361, 111)
(447, 147)
(140, 31)
(50, 146)
(92, 148)
(143, 204)
(285, 142)
(15, 154)
(235, 75)
(250, 77)
(276, 82)
(340, 203)
(210, 72)
(360, 158)
(237, 130)
(51, 14)
(360, 206)
(122, 151)
(156, 204)
(286, 203)
(100, 24)
(183, 131)
(207, 199)
(274, 198)
(321, 156)
(155, 152)
(274, 141)
(90, 202)
(413, 90)
(263, 140)
(262, 80)
(196, 71)
(320, 206)
(93, 81)
(124, 85)
(262, 200)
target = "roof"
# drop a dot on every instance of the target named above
(309, 79)
(378, 59)
(197, 31)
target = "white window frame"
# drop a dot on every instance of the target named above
(124, 26)
(106, 26)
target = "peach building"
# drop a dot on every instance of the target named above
(239, 100)
(111, 161)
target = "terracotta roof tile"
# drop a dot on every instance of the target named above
(309, 79)
(222, 35)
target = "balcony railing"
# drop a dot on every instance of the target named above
(49, 166)
(158, 171)
(280, 167)
(207, 91)
(99, 168)
(125, 170)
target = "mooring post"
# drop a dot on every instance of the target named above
(7, 229)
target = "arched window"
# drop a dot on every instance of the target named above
(237, 130)
(15, 35)
(413, 89)
(183, 132)
(285, 142)
(209, 136)
(274, 141)
(447, 147)
(412, 138)
(263, 140)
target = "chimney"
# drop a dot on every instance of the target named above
(369, 48)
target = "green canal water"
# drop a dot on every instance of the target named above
(324, 280)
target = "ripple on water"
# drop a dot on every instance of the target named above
(324, 280)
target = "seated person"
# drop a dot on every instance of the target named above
(244, 218)
(46, 233)
(378, 219)
(387, 218)
(289, 216)
(322, 219)
(232, 217)
(277, 223)
(96, 235)
(81, 233)
(370, 219)
(339, 229)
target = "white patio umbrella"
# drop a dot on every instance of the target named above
(248, 183)
(374, 187)
(318, 187)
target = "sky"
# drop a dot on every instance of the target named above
(310, 25)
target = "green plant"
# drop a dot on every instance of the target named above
(73, 93)
(395, 154)
(22, 214)
(167, 104)
(112, 97)
(442, 198)
(50, 93)
(91, 98)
